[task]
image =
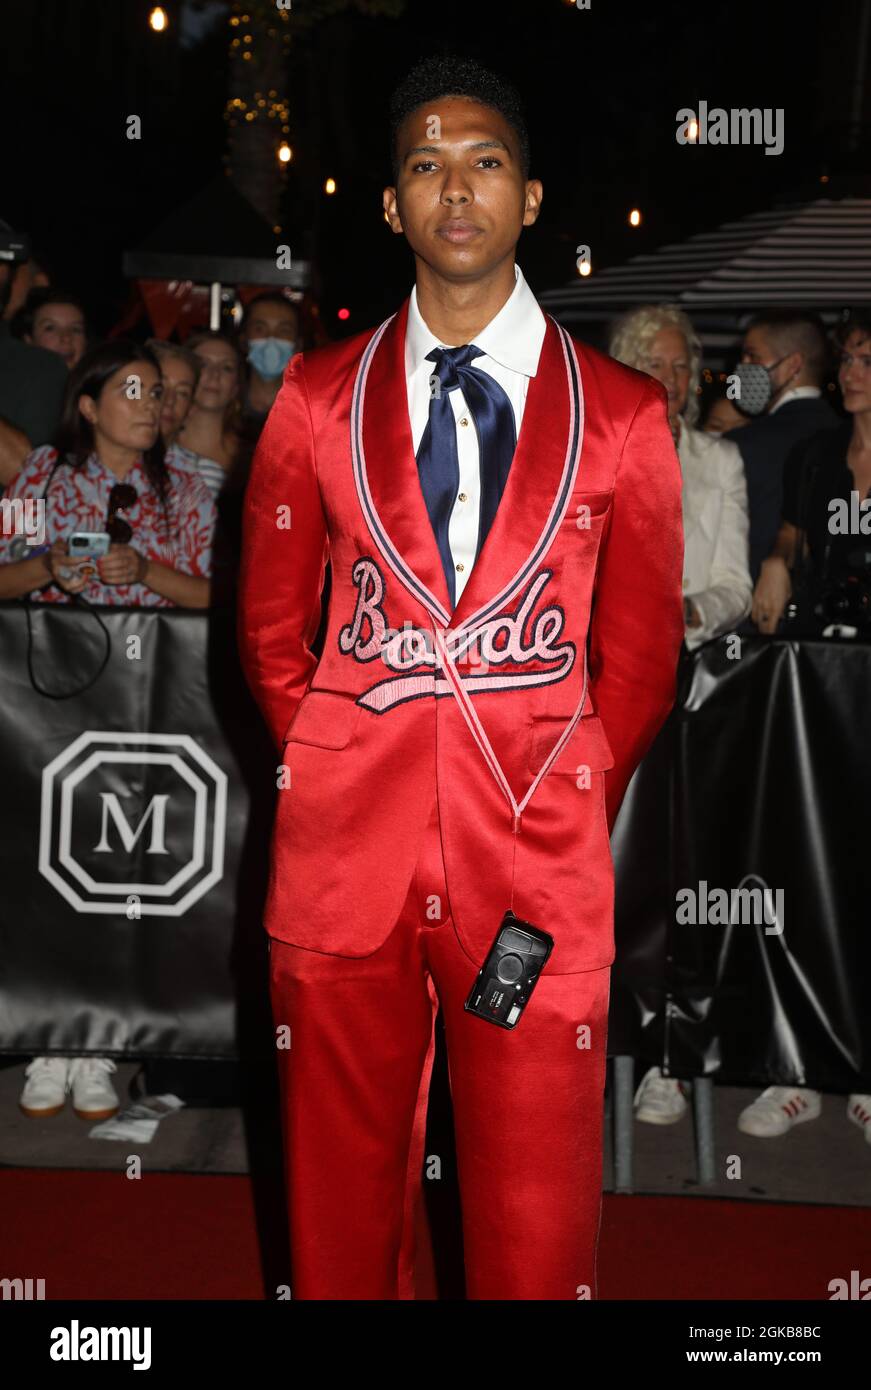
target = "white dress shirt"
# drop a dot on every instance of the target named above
(511, 344)
(797, 393)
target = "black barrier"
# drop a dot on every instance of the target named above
(137, 814)
(759, 781)
(136, 818)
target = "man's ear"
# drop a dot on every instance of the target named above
(532, 206)
(795, 363)
(391, 210)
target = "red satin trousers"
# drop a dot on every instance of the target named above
(528, 1111)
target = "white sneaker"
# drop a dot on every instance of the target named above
(859, 1111)
(659, 1099)
(45, 1090)
(778, 1109)
(94, 1096)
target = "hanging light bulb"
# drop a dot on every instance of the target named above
(330, 186)
(158, 19)
(285, 153)
(635, 218)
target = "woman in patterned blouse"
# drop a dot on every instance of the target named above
(109, 473)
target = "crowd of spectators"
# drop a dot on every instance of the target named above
(759, 475)
(149, 442)
(149, 445)
(141, 452)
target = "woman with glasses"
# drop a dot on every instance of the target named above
(109, 481)
(109, 475)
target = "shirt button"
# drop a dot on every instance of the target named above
(464, 421)
(462, 497)
(461, 567)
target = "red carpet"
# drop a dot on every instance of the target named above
(176, 1236)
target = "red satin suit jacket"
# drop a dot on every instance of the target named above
(582, 565)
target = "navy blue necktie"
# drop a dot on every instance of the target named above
(437, 458)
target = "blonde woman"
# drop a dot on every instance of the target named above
(660, 340)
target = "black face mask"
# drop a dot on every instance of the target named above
(754, 386)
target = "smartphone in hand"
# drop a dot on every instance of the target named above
(88, 546)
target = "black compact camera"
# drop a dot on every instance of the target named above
(509, 974)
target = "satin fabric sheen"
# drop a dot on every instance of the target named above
(527, 1104)
(386, 801)
(349, 826)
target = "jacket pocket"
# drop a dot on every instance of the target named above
(587, 511)
(588, 746)
(324, 719)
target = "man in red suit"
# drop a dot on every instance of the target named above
(500, 506)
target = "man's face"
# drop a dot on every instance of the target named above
(271, 320)
(461, 198)
(758, 347)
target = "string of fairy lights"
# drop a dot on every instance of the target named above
(270, 105)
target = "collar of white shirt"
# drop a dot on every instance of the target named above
(798, 393)
(513, 338)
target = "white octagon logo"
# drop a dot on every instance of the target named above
(147, 811)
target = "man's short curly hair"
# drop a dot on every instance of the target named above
(633, 333)
(448, 76)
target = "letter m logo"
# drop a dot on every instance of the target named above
(155, 812)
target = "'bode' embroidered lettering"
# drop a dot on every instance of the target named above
(522, 639)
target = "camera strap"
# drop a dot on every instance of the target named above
(479, 733)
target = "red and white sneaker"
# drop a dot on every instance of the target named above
(859, 1111)
(660, 1100)
(778, 1109)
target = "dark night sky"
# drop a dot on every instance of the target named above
(602, 88)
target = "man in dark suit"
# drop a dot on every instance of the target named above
(791, 345)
